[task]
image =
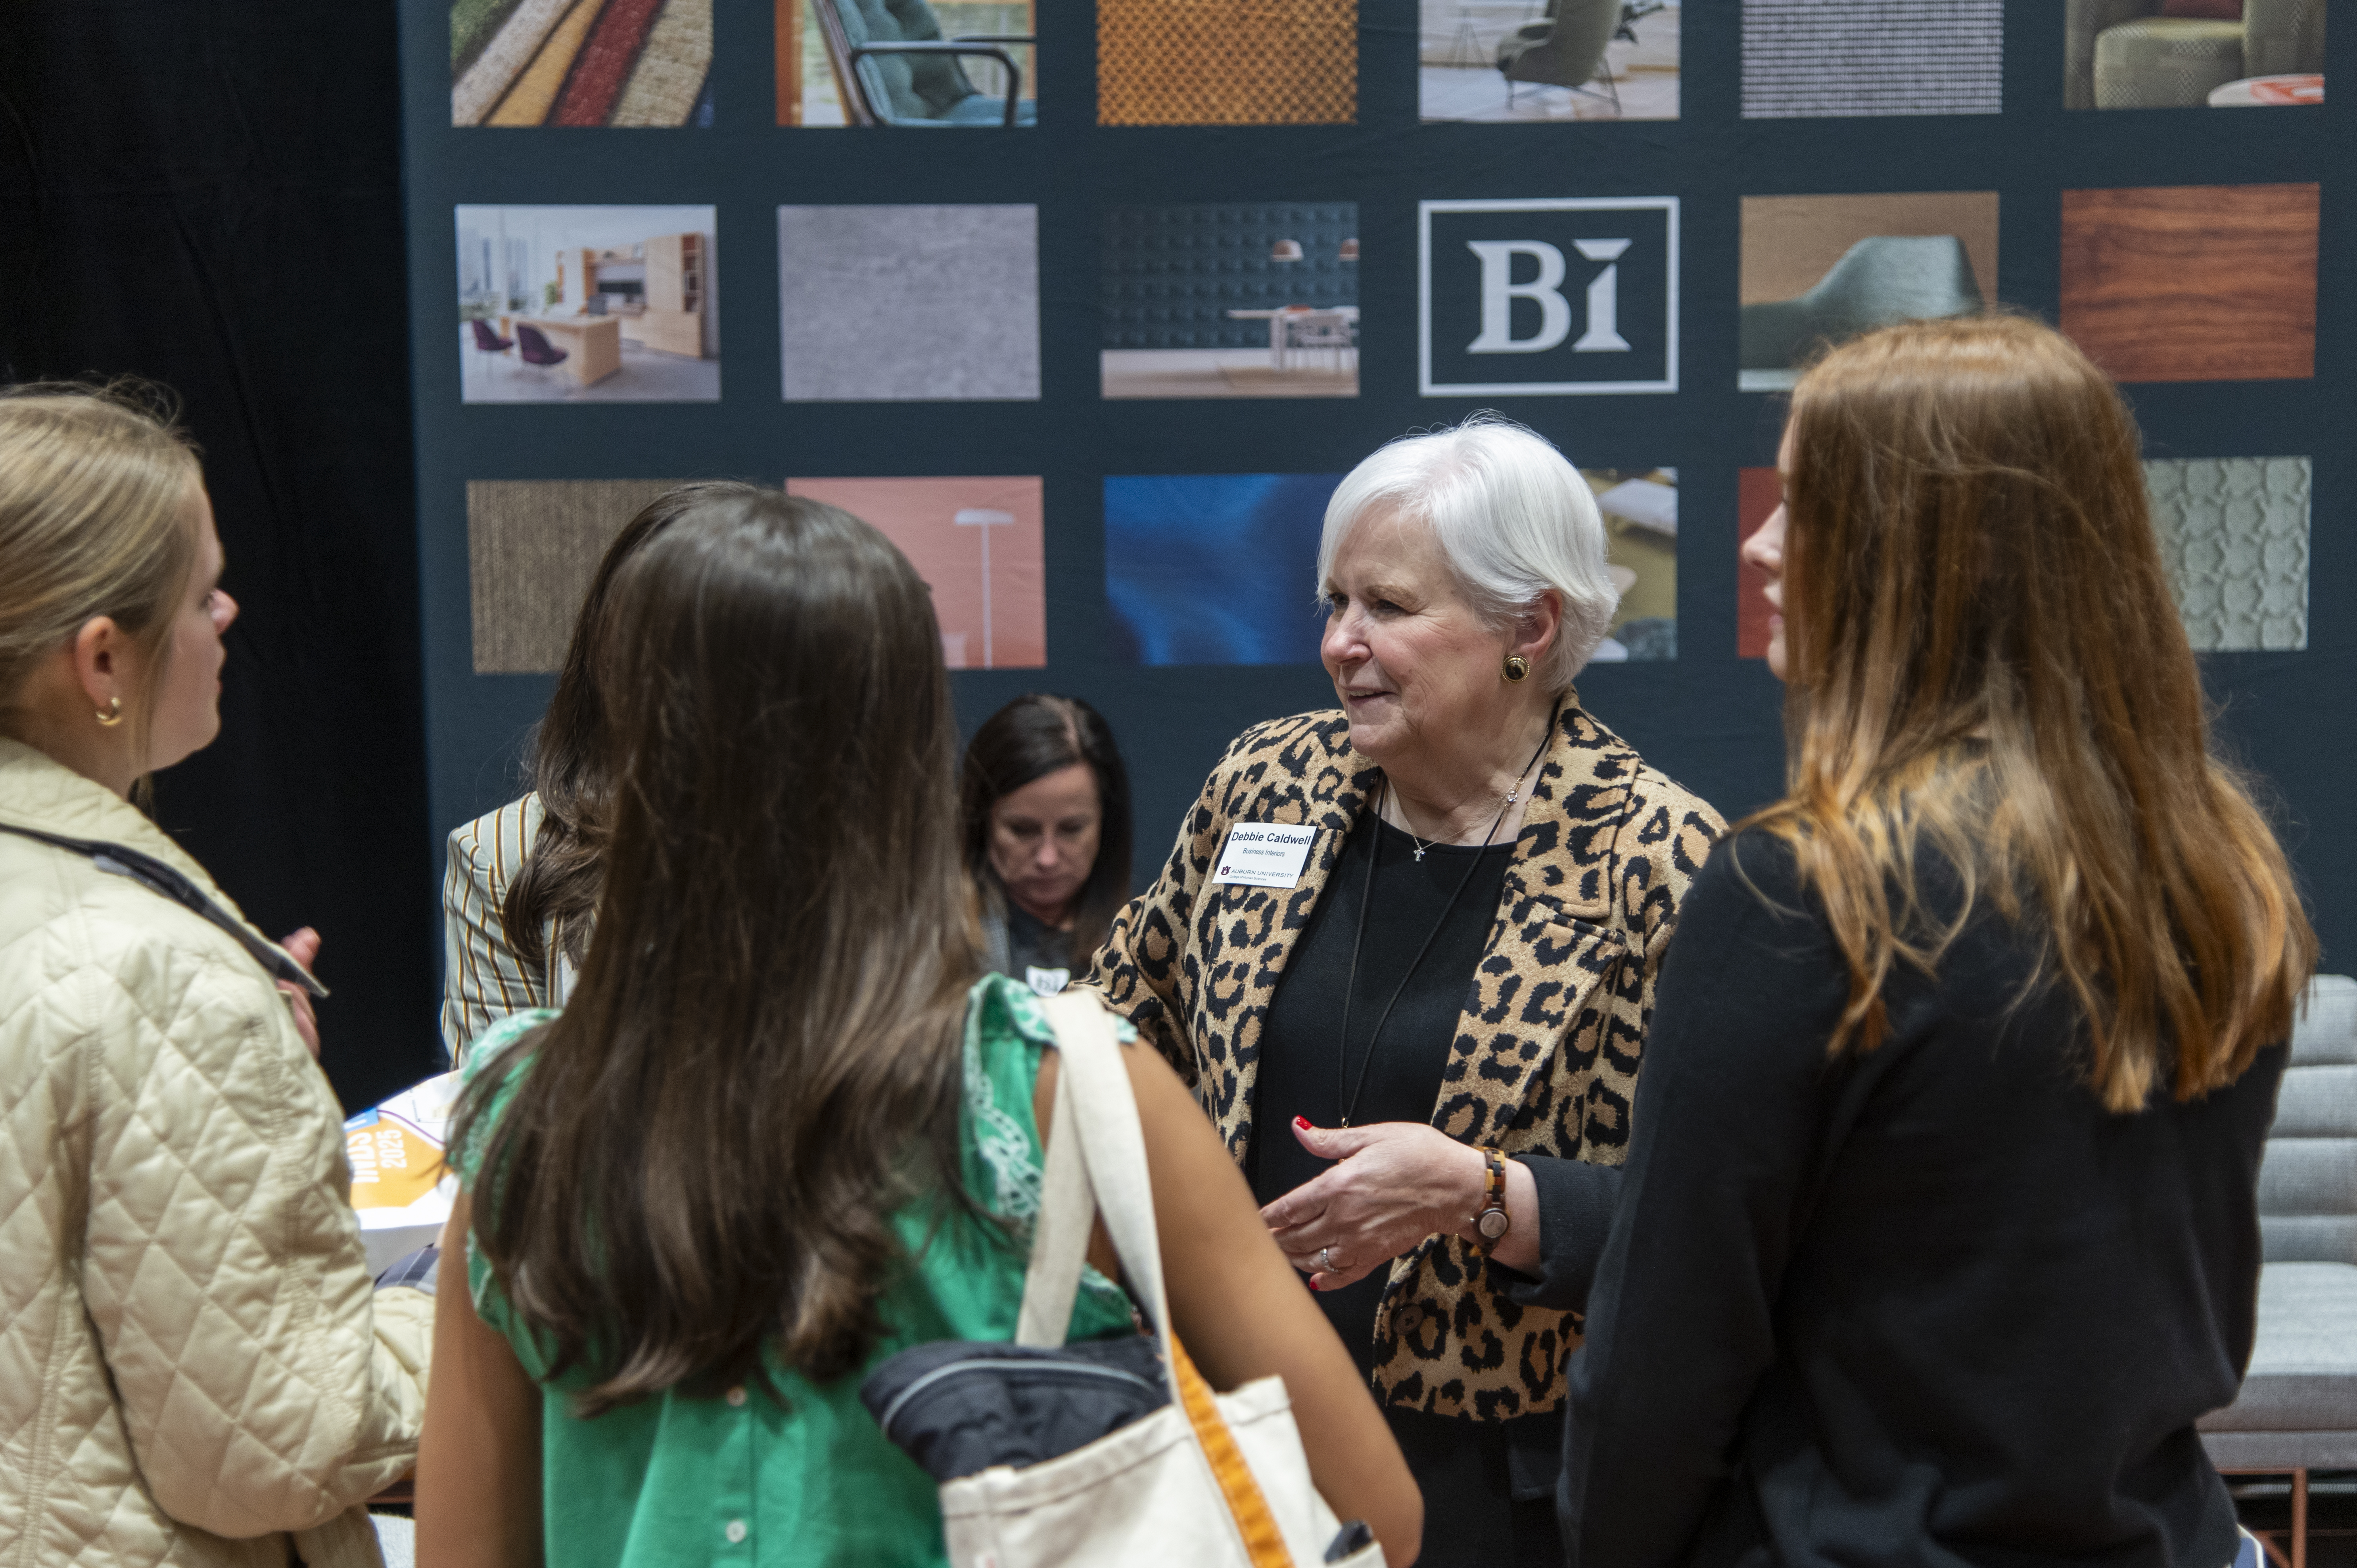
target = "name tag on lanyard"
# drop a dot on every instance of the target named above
(1263, 854)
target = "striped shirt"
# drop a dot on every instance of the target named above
(484, 978)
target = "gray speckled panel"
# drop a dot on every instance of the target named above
(907, 303)
(2233, 538)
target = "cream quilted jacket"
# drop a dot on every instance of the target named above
(194, 1366)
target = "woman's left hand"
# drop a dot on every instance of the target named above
(303, 947)
(1396, 1183)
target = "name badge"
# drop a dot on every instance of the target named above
(1263, 854)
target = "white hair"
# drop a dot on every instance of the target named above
(1512, 518)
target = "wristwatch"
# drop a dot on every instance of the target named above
(1493, 1221)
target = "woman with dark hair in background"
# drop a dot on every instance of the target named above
(782, 1132)
(1046, 803)
(1939, 1229)
(521, 881)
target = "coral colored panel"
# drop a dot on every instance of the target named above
(939, 524)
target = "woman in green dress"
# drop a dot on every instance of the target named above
(781, 1131)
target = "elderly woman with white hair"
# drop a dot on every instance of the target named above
(1404, 951)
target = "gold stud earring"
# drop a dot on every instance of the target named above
(1517, 667)
(112, 714)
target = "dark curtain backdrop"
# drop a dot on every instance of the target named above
(209, 195)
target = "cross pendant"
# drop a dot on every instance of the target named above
(1419, 854)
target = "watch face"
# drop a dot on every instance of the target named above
(1492, 1223)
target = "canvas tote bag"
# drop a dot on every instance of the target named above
(1207, 1480)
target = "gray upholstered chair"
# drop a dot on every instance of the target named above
(1565, 50)
(2123, 54)
(1881, 279)
(896, 68)
(2298, 1410)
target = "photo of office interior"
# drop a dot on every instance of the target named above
(1815, 269)
(587, 304)
(2193, 54)
(922, 63)
(1256, 299)
(1640, 534)
(638, 63)
(1568, 60)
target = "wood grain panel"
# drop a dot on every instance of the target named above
(2196, 282)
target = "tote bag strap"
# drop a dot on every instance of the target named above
(1093, 1100)
(1060, 1237)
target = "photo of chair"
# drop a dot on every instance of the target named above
(1302, 332)
(2298, 1408)
(1565, 50)
(2176, 54)
(535, 348)
(1881, 279)
(488, 341)
(895, 67)
(1613, 60)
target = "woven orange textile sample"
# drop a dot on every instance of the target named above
(1227, 62)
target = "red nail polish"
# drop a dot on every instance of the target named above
(1302, 1122)
(1313, 1283)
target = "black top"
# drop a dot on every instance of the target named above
(1302, 1054)
(1930, 1305)
(1032, 943)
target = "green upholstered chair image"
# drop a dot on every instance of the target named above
(1881, 279)
(2298, 1408)
(896, 68)
(2124, 54)
(1565, 50)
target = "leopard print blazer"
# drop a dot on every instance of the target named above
(1547, 1051)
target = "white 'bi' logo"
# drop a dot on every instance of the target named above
(1486, 296)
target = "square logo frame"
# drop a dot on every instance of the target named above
(1668, 382)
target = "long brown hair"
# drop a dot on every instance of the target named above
(1030, 737)
(760, 1063)
(572, 764)
(1983, 658)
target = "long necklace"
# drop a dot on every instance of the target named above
(1359, 939)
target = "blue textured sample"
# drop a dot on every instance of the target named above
(1215, 568)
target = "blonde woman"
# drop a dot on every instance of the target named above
(1939, 1230)
(200, 1369)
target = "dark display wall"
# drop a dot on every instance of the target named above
(2201, 252)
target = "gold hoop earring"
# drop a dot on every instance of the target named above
(112, 714)
(1517, 667)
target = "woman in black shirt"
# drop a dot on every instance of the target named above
(1938, 1228)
